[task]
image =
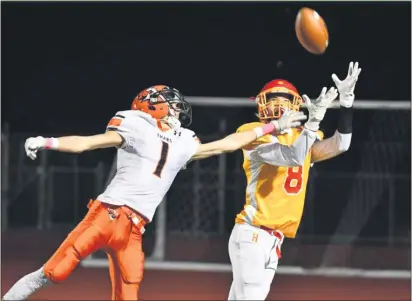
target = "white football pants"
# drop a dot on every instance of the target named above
(254, 259)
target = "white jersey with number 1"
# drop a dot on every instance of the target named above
(147, 162)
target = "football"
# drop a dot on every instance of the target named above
(311, 31)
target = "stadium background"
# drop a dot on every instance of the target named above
(67, 68)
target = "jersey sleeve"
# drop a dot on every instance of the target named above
(192, 145)
(277, 154)
(319, 137)
(125, 126)
(194, 141)
(194, 136)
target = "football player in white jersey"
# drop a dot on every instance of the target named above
(152, 148)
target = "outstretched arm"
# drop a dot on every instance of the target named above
(236, 141)
(73, 144)
(228, 144)
(340, 141)
(79, 144)
(120, 132)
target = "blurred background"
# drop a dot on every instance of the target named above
(68, 67)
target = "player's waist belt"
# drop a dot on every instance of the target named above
(279, 235)
(139, 220)
(272, 232)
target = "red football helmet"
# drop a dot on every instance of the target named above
(161, 101)
(277, 96)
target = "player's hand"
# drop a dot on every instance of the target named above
(346, 87)
(317, 108)
(33, 145)
(289, 119)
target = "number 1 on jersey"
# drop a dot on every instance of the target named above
(163, 158)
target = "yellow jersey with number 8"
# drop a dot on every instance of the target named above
(275, 195)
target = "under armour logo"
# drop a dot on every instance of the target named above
(178, 133)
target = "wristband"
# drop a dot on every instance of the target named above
(345, 120)
(312, 126)
(264, 129)
(346, 100)
(51, 143)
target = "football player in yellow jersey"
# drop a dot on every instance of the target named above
(277, 171)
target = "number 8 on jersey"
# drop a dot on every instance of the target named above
(294, 179)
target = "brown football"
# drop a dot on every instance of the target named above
(311, 31)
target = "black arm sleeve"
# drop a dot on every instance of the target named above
(345, 120)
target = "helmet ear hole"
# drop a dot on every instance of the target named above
(156, 101)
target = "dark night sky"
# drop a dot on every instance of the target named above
(83, 61)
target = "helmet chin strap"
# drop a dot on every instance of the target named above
(173, 122)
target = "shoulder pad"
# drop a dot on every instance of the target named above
(262, 140)
(188, 133)
(319, 134)
(138, 115)
(249, 126)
